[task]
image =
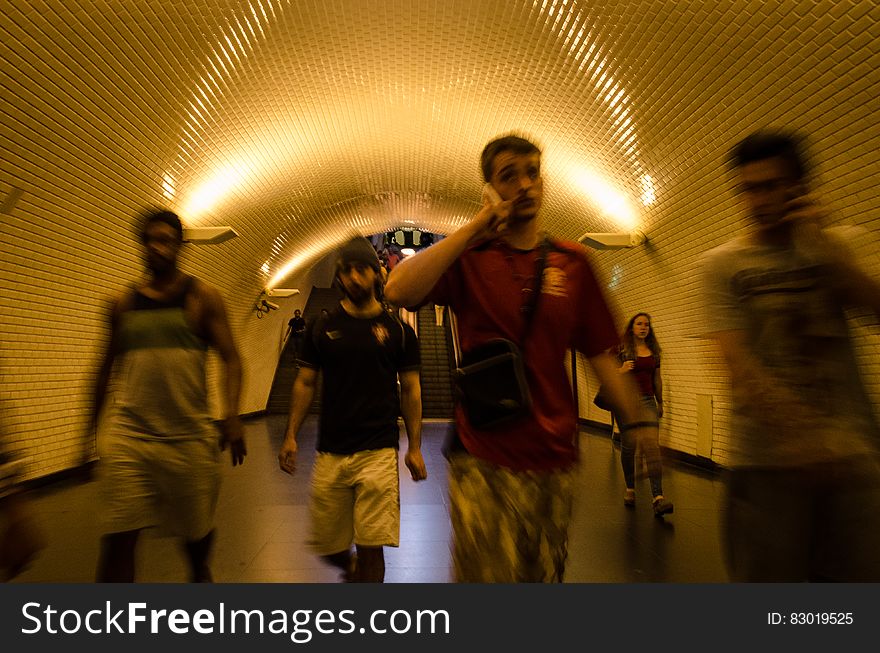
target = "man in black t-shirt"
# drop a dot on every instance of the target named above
(297, 328)
(362, 350)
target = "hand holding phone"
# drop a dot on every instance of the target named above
(491, 195)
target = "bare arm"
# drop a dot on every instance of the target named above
(303, 394)
(766, 398)
(620, 388)
(411, 408)
(220, 336)
(413, 278)
(102, 381)
(856, 286)
(658, 391)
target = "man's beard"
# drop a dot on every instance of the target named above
(357, 295)
(160, 267)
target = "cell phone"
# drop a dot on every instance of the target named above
(491, 194)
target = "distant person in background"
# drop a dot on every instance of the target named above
(639, 356)
(803, 490)
(297, 327)
(160, 453)
(394, 256)
(362, 350)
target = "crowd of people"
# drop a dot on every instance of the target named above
(802, 486)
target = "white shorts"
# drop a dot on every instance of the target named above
(354, 498)
(169, 483)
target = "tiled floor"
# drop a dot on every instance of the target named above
(261, 524)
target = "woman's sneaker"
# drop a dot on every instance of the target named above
(662, 506)
(629, 498)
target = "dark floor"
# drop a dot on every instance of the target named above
(262, 518)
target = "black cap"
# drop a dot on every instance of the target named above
(358, 250)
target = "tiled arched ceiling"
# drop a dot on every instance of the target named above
(297, 121)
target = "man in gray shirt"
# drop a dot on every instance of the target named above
(803, 489)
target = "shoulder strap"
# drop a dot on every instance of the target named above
(531, 307)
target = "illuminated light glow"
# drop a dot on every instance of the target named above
(649, 191)
(257, 20)
(264, 268)
(250, 27)
(244, 36)
(168, 186)
(263, 11)
(608, 199)
(308, 254)
(201, 90)
(241, 48)
(212, 192)
(408, 251)
(232, 48)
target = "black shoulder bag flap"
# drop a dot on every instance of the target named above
(491, 383)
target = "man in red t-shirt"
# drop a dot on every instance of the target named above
(511, 488)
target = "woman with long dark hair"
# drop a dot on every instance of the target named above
(640, 356)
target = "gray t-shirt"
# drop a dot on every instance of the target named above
(795, 327)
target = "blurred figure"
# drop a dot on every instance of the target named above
(510, 489)
(639, 357)
(159, 455)
(21, 537)
(803, 491)
(362, 350)
(297, 328)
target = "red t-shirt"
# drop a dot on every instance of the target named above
(485, 288)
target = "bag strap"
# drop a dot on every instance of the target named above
(531, 307)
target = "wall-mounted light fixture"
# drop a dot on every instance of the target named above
(208, 235)
(282, 292)
(263, 304)
(613, 240)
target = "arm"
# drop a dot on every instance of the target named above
(220, 336)
(413, 278)
(303, 394)
(619, 389)
(105, 370)
(658, 391)
(411, 408)
(856, 285)
(765, 397)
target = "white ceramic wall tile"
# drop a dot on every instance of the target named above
(299, 122)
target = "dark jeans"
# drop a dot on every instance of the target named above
(649, 447)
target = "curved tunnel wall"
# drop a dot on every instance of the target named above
(98, 107)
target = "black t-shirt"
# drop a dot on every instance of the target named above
(360, 359)
(297, 325)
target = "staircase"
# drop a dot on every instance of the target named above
(436, 374)
(285, 373)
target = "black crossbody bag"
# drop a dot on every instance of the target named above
(490, 381)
